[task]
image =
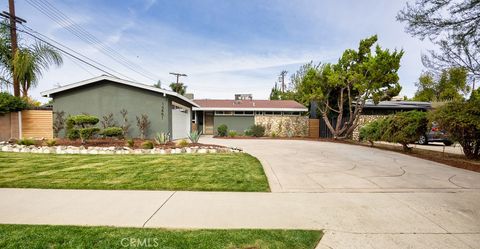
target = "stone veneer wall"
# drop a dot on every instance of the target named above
(281, 124)
(363, 120)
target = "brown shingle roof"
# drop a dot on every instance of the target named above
(249, 104)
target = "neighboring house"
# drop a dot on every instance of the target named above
(239, 114)
(167, 111)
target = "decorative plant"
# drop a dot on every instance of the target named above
(222, 130)
(51, 142)
(257, 130)
(130, 143)
(26, 141)
(58, 122)
(81, 126)
(162, 137)
(290, 133)
(147, 145)
(194, 136)
(126, 125)
(112, 132)
(182, 143)
(143, 124)
(248, 132)
(108, 121)
(232, 133)
(273, 134)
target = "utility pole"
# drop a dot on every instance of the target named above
(179, 75)
(282, 78)
(13, 38)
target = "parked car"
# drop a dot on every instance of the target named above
(435, 134)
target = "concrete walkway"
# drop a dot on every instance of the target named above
(351, 220)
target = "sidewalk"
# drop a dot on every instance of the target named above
(440, 219)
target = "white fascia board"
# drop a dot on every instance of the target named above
(117, 80)
(250, 109)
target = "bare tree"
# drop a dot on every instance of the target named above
(143, 124)
(126, 124)
(58, 122)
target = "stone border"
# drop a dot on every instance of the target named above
(6, 147)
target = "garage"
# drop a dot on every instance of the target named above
(180, 121)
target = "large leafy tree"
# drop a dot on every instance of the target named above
(454, 26)
(342, 89)
(28, 64)
(450, 85)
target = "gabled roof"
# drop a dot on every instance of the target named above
(119, 81)
(249, 105)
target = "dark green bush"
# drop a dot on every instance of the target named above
(10, 103)
(373, 131)
(462, 121)
(147, 145)
(257, 130)
(112, 132)
(248, 132)
(222, 130)
(81, 126)
(404, 128)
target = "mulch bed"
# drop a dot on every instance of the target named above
(455, 160)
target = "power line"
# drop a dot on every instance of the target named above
(75, 52)
(63, 20)
(61, 50)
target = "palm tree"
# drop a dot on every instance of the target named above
(30, 62)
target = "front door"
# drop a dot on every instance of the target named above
(208, 123)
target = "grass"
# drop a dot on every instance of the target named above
(42, 236)
(207, 172)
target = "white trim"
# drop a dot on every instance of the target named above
(117, 80)
(250, 109)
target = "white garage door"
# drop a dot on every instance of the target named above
(180, 122)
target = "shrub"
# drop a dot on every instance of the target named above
(162, 137)
(232, 133)
(26, 141)
(273, 134)
(87, 133)
(130, 143)
(51, 142)
(10, 103)
(182, 143)
(108, 121)
(290, 133)
(194, 136)
(248, 132)
(58, 122)
(126, 123)
(257, 130)
(143, 124)
(372, 132)
(222, 130)
(80, 126)
(112, 132)
(462, 121)
(147, 145)
(404, 128)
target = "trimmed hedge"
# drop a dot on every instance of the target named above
(222, 130)
(112, 132)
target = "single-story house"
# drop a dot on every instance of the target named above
(167, 111)
(240, 113)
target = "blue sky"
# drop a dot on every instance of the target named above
(225, 47)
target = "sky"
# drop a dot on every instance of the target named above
(225, 47)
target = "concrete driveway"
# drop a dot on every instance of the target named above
(311, 166)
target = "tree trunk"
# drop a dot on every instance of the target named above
(329, 125)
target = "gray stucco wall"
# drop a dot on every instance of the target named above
(106, 97)
(236, 123)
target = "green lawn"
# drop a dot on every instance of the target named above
(205, 172)
(35, 236)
